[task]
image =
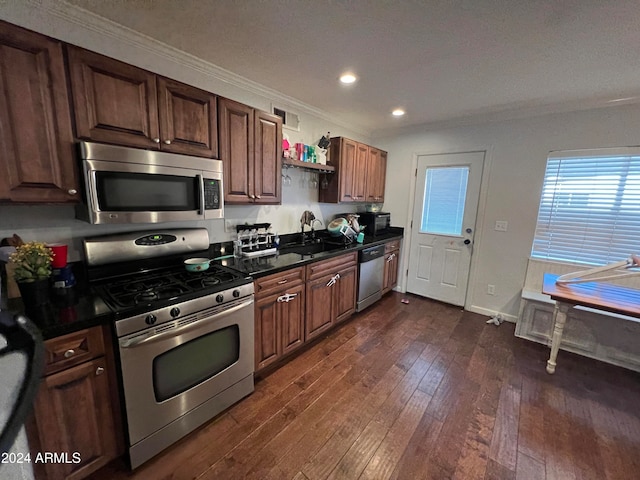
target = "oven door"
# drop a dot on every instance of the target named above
(168, 374)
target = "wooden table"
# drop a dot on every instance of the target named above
(598, 295)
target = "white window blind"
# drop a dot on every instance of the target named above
(590, 207)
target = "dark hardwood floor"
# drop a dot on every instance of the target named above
(419, 390)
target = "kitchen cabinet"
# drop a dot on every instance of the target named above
(76, 412)
(331, 293)
(279, 319)
(118, 103)
(376, 175)
(360, 173)
(36, 139)
(251, 151)
(391, 263)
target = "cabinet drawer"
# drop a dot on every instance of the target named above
(318, 269)
(391, 246)
(279, 281)
(72, 349)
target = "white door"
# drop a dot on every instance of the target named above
(444, 217)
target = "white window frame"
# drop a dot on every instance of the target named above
(589, 209)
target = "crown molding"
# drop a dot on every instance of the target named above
(93, 22)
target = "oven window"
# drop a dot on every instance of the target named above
(142, 192)
(192, 363)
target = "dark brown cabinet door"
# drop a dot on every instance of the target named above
(73, 413)
(267, 331)
(292, 319)
(347, 170)
(236, 150)
(188, 119)
(376, 175)
(268, 158)
(279, 325)
(360, 173)
(114, 102)
(320, 308)
(390, 271)
(345, 295)
(36, 140)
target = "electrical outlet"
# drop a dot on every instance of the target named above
(491, 289)
(501, 225)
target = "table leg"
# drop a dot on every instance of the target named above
(559, 319)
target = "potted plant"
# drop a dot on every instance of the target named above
(32, 271)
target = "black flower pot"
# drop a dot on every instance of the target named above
(34, 293)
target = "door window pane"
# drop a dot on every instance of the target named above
(445, 191)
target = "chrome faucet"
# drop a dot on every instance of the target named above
(308, 218)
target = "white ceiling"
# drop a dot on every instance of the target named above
(443, 61)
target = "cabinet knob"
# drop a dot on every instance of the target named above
(252, 196)
(156, 140)
(69, 353)
(99, 371)
(258, 197)
(167, 142)
(72, 191)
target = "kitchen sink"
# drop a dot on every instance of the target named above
(310, 248)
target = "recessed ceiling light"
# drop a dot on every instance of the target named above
(398, 112)
(348, 78)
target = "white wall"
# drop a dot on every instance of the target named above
(58, 224)
(512, 181)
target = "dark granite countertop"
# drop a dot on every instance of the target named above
(263, 266)
(87, 309)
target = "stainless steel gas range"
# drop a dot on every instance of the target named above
(185, 339)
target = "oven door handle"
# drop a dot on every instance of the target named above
(135, 342)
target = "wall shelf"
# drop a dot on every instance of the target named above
(316, 167)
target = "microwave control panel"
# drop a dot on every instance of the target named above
(212, 200)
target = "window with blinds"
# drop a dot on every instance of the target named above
(590, 207)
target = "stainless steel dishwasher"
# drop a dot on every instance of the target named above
(371, 266)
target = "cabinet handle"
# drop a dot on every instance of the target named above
(69, 353)
(72, 191)
(99, 371)
(282, 282)
(167, 142)
(156, 140)
(287, 297)
(331, 282)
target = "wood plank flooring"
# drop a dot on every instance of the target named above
(419, 390)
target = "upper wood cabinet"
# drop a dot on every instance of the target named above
(376, 175)
(251, 151)
(360, 173)
(118, 103)
(36, 139)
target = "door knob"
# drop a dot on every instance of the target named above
(467, 241)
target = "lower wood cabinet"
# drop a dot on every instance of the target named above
(76, 413)
(391, 263)
(279, 319)
(331, 293)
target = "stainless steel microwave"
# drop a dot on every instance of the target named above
(129, 185)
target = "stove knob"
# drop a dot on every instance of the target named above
(219, 298)
(150, 319)
(236, 293)
(174, 312)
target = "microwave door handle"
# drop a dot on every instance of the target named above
(201, 187)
